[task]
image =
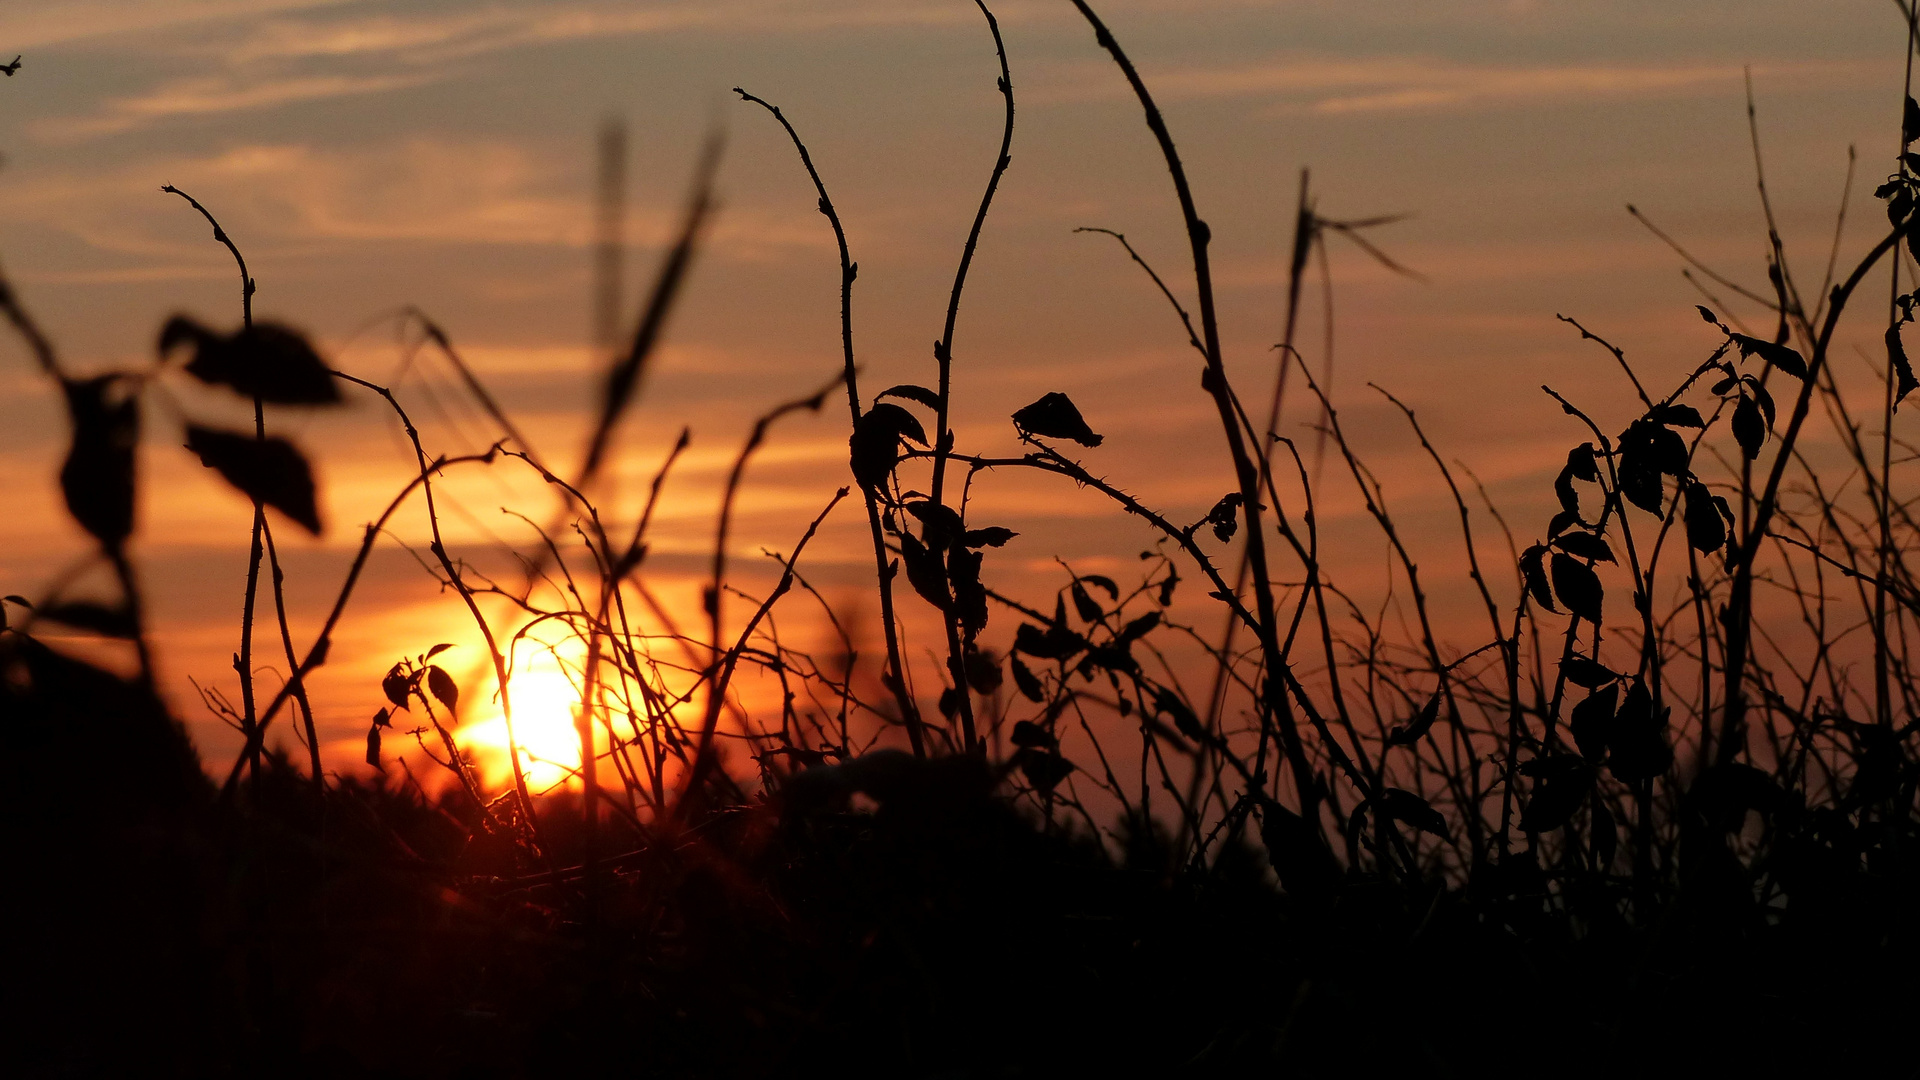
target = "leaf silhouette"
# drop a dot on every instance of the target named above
(911, 392)
(1184, 719)
(1225, 517)
(1535, 574)
(1586, 671)
(115, 622)
(395, 686)
(373, 746)
(940, 524)
(443, 688)
(1592, 721)
(1084, 606)
(1639, 741)
(1780, 356)
(269, 471)
(969, 598)
(1584, 545)
(1554, 801)
(1414, 810)
(1297, 853)
(991, 536)
(1421, 724)
(265, 360)
(1676, 415)
(1027, 734)
(1577, 586)
(1902, 370)
(438, 649)
(1056, 643)
(1024, 678)
(1910, 122)
(1044, 769)
(1055, 417)
(924, 573)
(1748, 429)
(1138, 628)
(98, 476)
(1706, 529)
(874, 445)
(983, 671)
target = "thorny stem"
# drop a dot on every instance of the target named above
(896, 671)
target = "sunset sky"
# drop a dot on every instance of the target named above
(368, 156)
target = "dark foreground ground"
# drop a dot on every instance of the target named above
(157, 932)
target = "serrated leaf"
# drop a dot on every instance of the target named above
(1587, 672)
(1584, 545)
(991, 536)
(1084, 606)
(1185, 720)
(1138, 628)
(1414, 810)
(395, 686)
(1044, 769)
(99, 473)
(1225, 516)
(1781, 356)
(1592, 721)
(1027, 682)
(1554, 801)
(1054, 644)
(911, 392)
(1054, 416)
(1421, 724)
(269, 471)
(924, 572)
(1748, 429)
(1677, 415)
(1904, 382)
(265, 360)
(1706, 529)
(1533, 571)
(443, 688)
(874, 446)
(1028, 734)
(1577, 586)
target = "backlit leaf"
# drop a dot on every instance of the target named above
(1577, 586)
(98, 476)
(269, 471)
(1055, 417)
(912, 393)
(115, 621)
(443, 688)
(265, 360)
(1584, 545)
(1905, 383)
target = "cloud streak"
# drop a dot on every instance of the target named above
(1407, 83)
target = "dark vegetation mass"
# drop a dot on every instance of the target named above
(1660, 819)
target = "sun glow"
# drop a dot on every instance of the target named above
(545, 703)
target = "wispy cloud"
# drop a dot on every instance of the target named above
(209, 95)
(424, 190)
(1405, 83)
(26, 27)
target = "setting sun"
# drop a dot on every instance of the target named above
(545, 702)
